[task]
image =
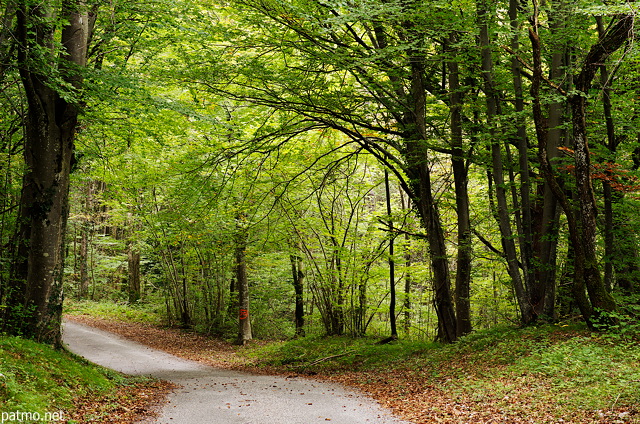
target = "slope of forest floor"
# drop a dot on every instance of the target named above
(41, 384)
(548, 374)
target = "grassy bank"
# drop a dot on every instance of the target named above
(40, 384)
(544, 374)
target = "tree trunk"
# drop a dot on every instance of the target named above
(535, 288)
(504, 220)
(550, 178)
(242, 282)
(460, 177)
(581, 222)
(297, 271)
(83, 291)
(420, 176)
(547, 212)
(607, 44)
(607, 190)
(407, 277)
(34, 306)
(133, 270)
(392, 263)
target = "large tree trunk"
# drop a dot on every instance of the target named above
(546, 214)
(581, 222)
(546, 231)
(35, 298)
(608, 43)
(420, 175)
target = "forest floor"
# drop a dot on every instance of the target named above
(549, 376)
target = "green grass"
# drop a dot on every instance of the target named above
(333, 353)
(143, 312)
(586, 372)
(565, 370)
(36, 379)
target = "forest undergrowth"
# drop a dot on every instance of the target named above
(560, 373)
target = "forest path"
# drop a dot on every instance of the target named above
(217, 396)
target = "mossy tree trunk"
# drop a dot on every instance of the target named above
(34, 304)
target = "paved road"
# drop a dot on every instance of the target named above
(215, 396)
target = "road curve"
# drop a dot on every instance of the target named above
(210, 395)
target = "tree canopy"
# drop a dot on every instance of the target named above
(267, 168)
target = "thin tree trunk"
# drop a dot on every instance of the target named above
(534, 288)
(242, 282)
(84, 259)
(407, 277)
(504, 222)
(133, 270)
(416, 156)
(607, 191)
(297, 271)
(460, 177)
(392, 263)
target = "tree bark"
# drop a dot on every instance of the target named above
(607, 44)
(581, 222)
(297, 271)
(460, 178)
(242, 282)
(35, 299)
(392, 263)
(504, 220)
(420, 175)
(133, 270)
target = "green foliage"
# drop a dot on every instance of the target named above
(271, 294)
(198, 111)
(149, 313)
(586, 372)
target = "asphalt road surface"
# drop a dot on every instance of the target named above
(210, 395)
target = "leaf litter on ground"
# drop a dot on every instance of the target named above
(462, 388)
